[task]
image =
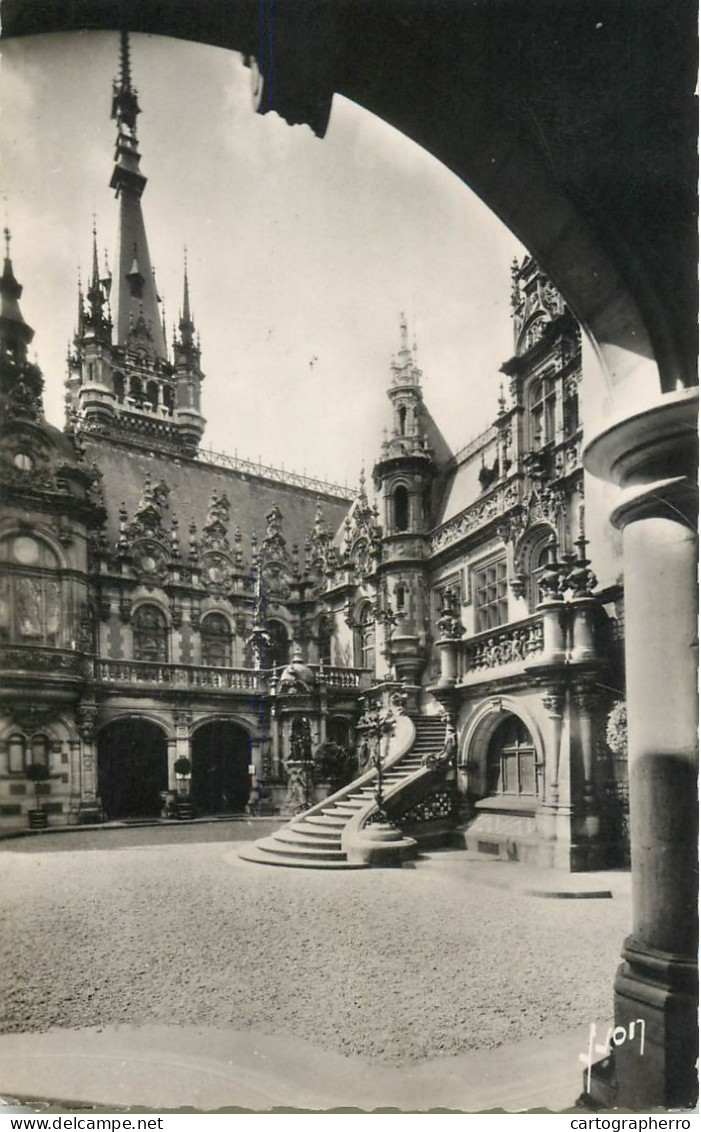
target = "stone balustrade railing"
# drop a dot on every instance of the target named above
(228, 679)
(178, 675)
(35, 658)
(508, 644)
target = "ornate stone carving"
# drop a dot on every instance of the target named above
(30, 717)
(86, 715)
(517, 643)
(450, 626)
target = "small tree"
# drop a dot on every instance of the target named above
(334, 764)
(37, 773)
(182, 768)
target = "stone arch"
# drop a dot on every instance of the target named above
(474, 742)
(132, 765)
(220, 748)
(115, 714)
(12, 529)
(277, 652)
(151, 627)
(529, 557)
(216, 638)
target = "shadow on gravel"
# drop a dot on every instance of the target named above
(130, 837)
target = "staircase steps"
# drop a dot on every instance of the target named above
(314, 841)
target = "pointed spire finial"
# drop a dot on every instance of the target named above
(124, 59)
(187, 317)
(6, 234)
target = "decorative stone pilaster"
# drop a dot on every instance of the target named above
(652, 457)
(89, 809)
(553, 702)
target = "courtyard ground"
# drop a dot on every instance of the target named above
(115, 928)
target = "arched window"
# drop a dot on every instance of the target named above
(277, 652)
(401, 508)
(571, 413)
(168, 399)
(401, 415)
(17, 754)
(30, 592)
(119, 387)
(40, 750)
(338, 730)
(136, 390)
(152, 394)
(540, 556)
(365, 639)
(400, 597)
(324, 641)
(150, 634)
(511, 760)
(542, 411)
(215, 635)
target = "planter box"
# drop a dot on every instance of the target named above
(38, 819)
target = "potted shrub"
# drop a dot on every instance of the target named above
(334, 765)
(37, 773)
(183, 804)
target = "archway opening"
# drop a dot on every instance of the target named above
(512, 768)
(132, 768)
(220, 759)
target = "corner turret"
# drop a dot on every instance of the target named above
(404, 475)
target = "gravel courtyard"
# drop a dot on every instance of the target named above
(397, 965)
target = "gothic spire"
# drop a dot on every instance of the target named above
(96, 293)
(404, 368)
(15, 334)
(21, 383)
(187, 325)
(135, 298)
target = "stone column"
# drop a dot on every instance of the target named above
(651, 456)
(275, 737)
(553, 631)
(172, 754)
(75, 780)
(586, 700)
(448, 651)
(547, 819)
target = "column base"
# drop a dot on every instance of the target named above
(655, 1001)
(89, 813)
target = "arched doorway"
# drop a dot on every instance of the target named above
(512, 767)
(220, 759)
(132, 768)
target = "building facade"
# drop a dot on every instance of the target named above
(160, 604)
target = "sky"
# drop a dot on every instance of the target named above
(302, 252)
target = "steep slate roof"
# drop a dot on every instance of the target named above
(191, 484)
(463, 486)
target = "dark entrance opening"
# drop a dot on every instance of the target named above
(220, 758)
(132, 768)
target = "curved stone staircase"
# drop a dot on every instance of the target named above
(314, 839)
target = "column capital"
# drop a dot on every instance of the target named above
(657, 443)
(675, 499)
(586, 698)
(554, 702)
